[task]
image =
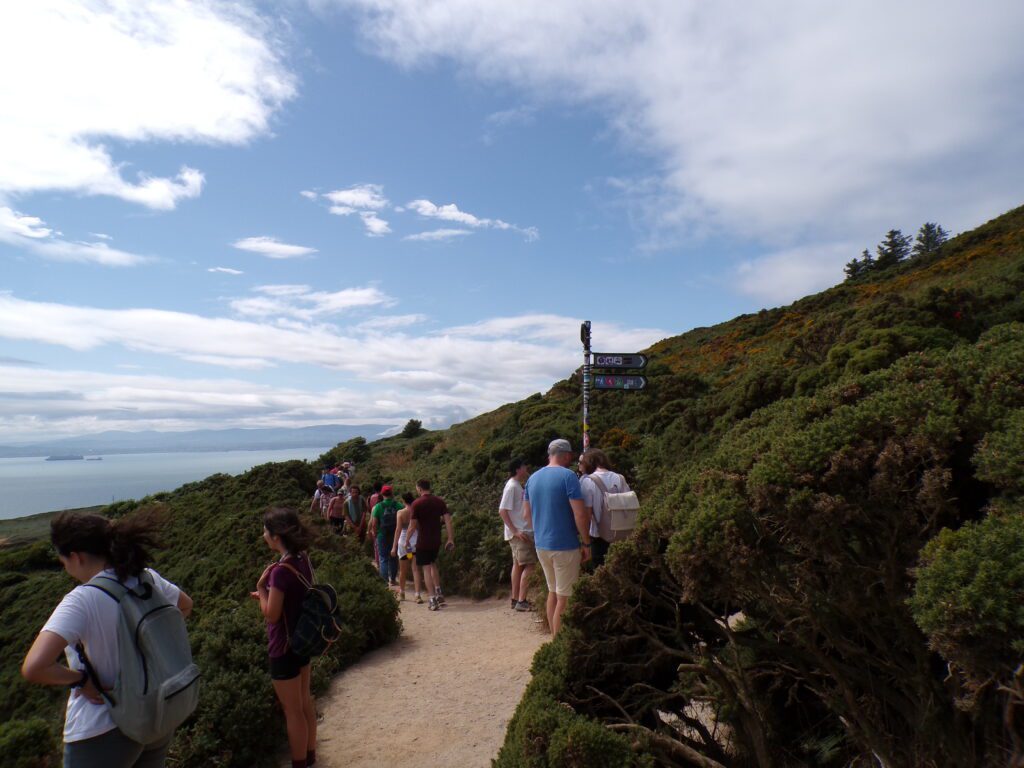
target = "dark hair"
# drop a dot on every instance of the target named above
(285, 522)
(592, 459)
(514, 465)
(124, 543)
(377, 486)
(423, 484)
(408, 498)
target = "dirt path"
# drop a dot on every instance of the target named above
(440, 696)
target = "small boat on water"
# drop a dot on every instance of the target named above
(94, 458)
(65, 457)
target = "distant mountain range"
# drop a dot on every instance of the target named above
(269, 439)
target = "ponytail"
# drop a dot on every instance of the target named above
(285, 522)
(124, 544)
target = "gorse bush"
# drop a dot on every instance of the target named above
(828, 568)
(214, 550)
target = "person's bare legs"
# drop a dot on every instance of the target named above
(308, 708)
(552, 603)
(403, 574)
(556, 619)
(517, 577)
(417, 577)
(524, 581)
(290, 694)
(428, 576)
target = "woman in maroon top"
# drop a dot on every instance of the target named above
(280, 591)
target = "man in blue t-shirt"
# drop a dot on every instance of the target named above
(553, 503)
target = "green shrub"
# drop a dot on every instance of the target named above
(26, 744)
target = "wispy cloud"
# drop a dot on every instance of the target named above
(141, 73)
(226, 270)
(30, 233)
(397, 366)
(451, 212)
(496, 122)
(439, 234)
(302, 302)
(366, 200)
(272, 248)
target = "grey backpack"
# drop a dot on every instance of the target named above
(157, 684)
(620, 511)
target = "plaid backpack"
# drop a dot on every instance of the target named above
(319, 623)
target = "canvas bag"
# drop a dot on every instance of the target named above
(319, 622)
(620, 511)
(157, 685)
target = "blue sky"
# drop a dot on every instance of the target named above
(371, 210)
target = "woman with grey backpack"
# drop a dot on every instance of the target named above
(122, 629)
(610, 504)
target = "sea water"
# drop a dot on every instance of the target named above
(32, 485)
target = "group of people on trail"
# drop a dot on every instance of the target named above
(558, 519)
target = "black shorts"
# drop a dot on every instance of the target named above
(288, 666)
(426, 556)
(338, 524)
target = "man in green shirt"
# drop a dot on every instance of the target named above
(383, 520)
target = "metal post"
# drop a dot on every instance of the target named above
(585, 338)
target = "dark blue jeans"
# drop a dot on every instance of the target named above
(388, 562)
(114, 750)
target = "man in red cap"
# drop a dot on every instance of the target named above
(383, 521)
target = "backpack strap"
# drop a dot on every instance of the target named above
(599, 483)
(298, 575)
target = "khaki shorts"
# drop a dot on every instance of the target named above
(561, 569)
(523, 552)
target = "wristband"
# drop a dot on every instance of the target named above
(81, 683)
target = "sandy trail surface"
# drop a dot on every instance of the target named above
(440, 696)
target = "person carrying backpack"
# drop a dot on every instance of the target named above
(383, 522)
(281, 590)
(104, 653)
(598, 482)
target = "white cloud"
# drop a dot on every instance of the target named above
(784, 123)
(303, 303)
(100, 236)
(226, 270)
(439, 234)
(375, 226)
(451, 212)
(31, 233)
(272, 248)
(308, 194)
(358, 197)
(783, 275)
(390, 322)
(399, 370)
(129, 72)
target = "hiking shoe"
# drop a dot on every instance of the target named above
(440, 599)
(514, 603)
(419, 599)
(523, 606)
(401, 596)
(432, 605)
(394, 582)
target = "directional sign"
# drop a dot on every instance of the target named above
(618, 360)
(631, 383)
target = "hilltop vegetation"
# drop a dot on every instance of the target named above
(214, 550)
(830, 562)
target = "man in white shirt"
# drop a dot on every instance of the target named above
(518, 533)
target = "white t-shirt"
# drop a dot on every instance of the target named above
(90, 617)
(592, 496)
(512, 500)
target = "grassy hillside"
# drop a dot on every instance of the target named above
(215, 551)
(830, 566)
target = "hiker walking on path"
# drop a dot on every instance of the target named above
(553, 503)
(280, 591)
(322, 498)
(404, 548)
(428, 511)
(518, 533)
(355, 513)
(336, 512)
(85, 625)
(595, 464)
(383, 522)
